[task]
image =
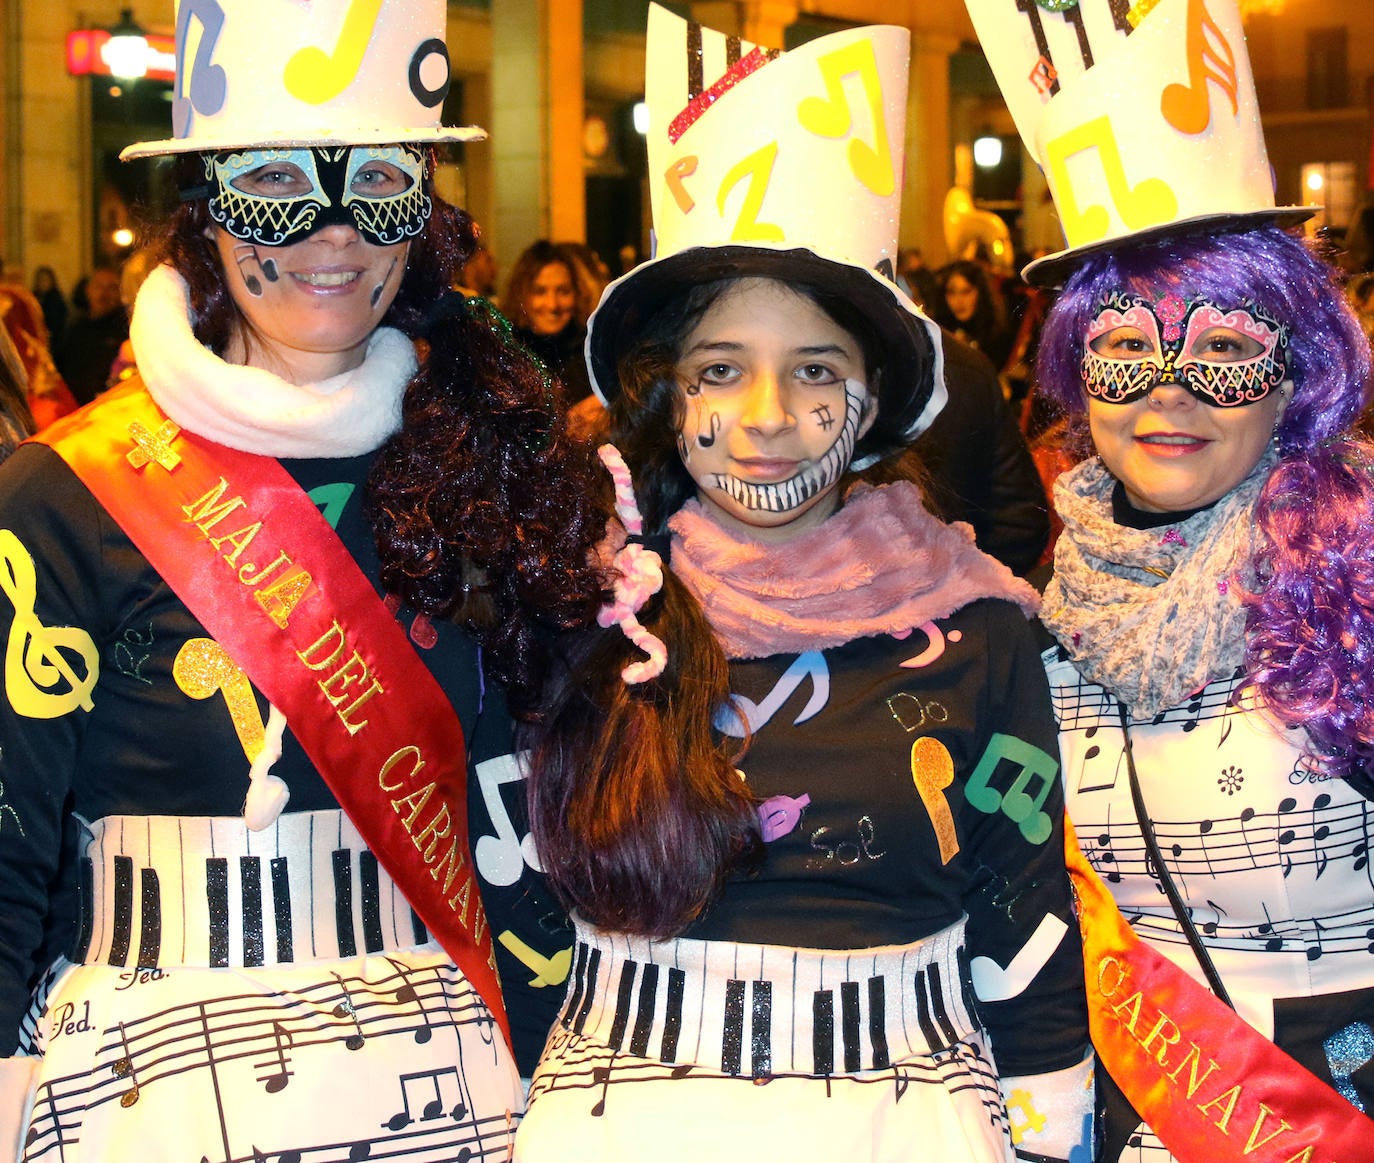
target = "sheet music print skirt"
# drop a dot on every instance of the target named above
(1272, 861)
(259, 997)
(847, 1055)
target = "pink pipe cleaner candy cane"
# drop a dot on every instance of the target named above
(639, 575)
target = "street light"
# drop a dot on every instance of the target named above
(126, 52)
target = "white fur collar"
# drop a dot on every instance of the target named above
(254, 410)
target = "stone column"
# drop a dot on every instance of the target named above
(536, 124)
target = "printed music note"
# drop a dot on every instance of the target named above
(282, 1041)
(932, 770)
(316, 76)
(601, 1076)
(1188, 108)
(1147, 203)
(1022, 809)
(547, 970)
(203, 668)
(37, 657)
(435, 1107)
(405, 994)
(742, 716)
(201, 88)
(501, 859)
(124, 1068)
(758, 168)
(345, 1008)
(831, 115)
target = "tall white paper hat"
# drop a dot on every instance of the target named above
(1142, 116)
(786, 166)
(307, 72)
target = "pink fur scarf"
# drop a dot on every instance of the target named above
(880, 565)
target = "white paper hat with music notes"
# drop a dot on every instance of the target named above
(786, 166)
(1142, 115)
(328, 72)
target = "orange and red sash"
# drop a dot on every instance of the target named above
(1211, 1087)
(257, 564)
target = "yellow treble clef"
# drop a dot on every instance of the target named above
(36, 656)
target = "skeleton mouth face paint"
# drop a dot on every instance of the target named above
(274, 197)
(774, 402)
(1225, 356)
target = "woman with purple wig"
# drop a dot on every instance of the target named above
(1212, 600)
(1211, 597)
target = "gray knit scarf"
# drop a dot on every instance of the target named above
(1152, 615)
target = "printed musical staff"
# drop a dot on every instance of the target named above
(264, 1040)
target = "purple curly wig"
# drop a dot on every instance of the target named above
(1310, 618)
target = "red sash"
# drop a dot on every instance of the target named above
(1210, 1086)
(255, 561)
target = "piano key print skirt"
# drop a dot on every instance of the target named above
(691, 1050)
(258, 997)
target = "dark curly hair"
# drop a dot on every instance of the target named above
(483, 510)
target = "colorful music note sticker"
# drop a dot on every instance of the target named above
(1147, 203)
(1022, 809)
(316, 76)
(1188, 108)
(758, 169)
(932, 770)
(203, 668)
(831, 115)
(40, 678)
(201, 88)
(547, 970)
(741, 716)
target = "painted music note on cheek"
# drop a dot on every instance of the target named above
(205, 84)
(758, 169)
(1147, 203)
(832, 115)
(316, 76)
(203, 668)
(713, 424)
(1188, 108)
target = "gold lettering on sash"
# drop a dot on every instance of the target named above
(340, 686)
(208, 510)
(240, 539)
(416, 801)
(1227, 1099)
(1253, 1144)
(281, 598)
(248, 578)
(153, 447)
(462, 897)
(453, 861)
(1191, 1060)
(439, 826)
(411, 752)
(1158, 1034)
